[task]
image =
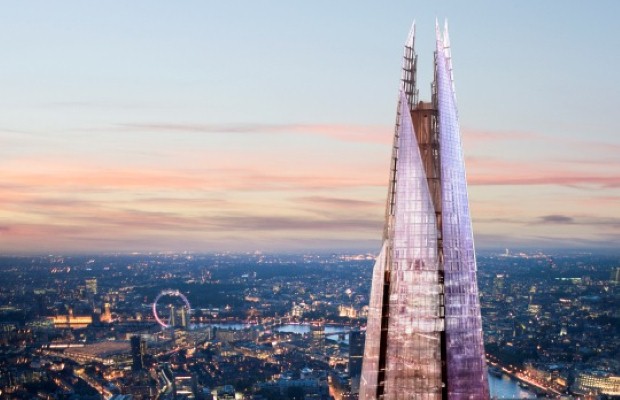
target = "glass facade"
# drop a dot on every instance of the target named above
(370, 364)
(424, 336)
(464, 345)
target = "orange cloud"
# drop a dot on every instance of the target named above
(345, 132)
(474, 135)
(492, 171)
(222, 179)
(263, 196)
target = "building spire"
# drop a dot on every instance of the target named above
(446, 37)
(443, 47)
(410, 61)
(411, 36)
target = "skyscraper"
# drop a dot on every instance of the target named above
(424, 334)
(356, 354)
(91, 285)
(138, 350)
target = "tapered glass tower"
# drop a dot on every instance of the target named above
(424, 334)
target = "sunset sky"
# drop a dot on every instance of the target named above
(267, 125)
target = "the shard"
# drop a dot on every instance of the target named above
(424, 333)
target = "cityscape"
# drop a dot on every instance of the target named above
(202, 202)
(268, 326)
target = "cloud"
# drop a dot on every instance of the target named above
(536, 241)
(340, 203)
(569, 180)
(493, 171)
(556, 219)
(576, 241)
(475, 135)
(539, 140)
(100, 180)
(344, 132)
(120, 229)
(268, 223)
(260, 197)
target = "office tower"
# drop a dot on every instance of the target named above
(356, 354)
(137, 353)
(91, 285)
(424, 334)
(318, 338)
(615, 275)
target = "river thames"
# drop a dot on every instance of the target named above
(504, 387)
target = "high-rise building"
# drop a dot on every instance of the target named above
(424, 333)
(91, 285)
(615, 275)
(138, 350)
(356, 354)
(318, 338)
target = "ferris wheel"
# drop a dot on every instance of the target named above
(175, 293)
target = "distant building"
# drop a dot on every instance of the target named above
(298, 310)
(138, 352)
(310, 383)
(231, 335)
(318, 337)
(107, 353)
(356, 355)
(185, 386)
(615, 275)
(347, 311)
(597, 383)
(226, 392)
(498, 284)
(71, 321)
(91, 285)
(107, 314)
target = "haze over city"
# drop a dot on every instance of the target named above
(154, 126)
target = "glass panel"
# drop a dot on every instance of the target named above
(413, 345)
(464, 345)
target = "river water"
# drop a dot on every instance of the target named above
(505, 387)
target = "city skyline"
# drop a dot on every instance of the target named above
(147, 127)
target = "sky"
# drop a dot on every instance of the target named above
(267, 125)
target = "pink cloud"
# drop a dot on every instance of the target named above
(345, 132)
(491, 171)
(340, 203)
(568, 180)
(68, 200)
(474, 135)
(222, 179)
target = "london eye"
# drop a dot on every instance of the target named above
(186, 307)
